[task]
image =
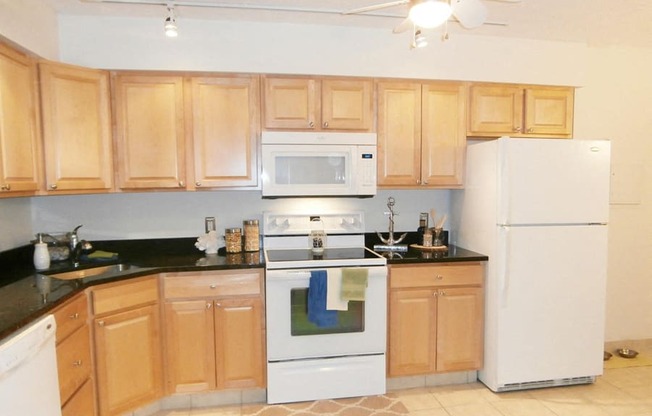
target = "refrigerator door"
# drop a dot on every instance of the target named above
(550, 303)
(544, 181)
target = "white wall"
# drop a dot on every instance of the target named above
(616, 104)
(32, 25)
(15, 223)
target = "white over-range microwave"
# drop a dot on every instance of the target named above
(318, 164)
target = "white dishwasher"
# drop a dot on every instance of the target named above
(29, 384)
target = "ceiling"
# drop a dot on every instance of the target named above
(595, 22)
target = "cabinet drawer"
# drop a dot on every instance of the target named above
(73, 362)
(82, 403)
(439, 275)
(72, 315)
(212, 284)
(125, 295)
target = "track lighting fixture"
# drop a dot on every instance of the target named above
(418, 40)
(170, 24)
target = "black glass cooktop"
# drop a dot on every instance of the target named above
(349, 253)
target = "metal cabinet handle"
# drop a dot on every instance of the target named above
(213, 286)
(218, 305)
(77, 363)
(442, 293)
(182, 184)
(100, 323)
(197, 183)
(311, 124)
(530, 130)
(6, 187)
(517, 129)
(418, 181)
(424, 183)
(325, 123)
(208, 305)
(53, 186)
(74, 316)
(434, 293)
(439, 277)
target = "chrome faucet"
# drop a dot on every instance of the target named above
(77, 246)
(390, 241)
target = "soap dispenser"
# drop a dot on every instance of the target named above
(41, 254)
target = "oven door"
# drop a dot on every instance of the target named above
(361, 330)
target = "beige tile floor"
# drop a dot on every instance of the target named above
(619, 392)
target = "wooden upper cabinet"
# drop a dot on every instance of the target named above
(19, 123)
(225, 131)
(421, 134)
(520, 111)
(318, 104)
(149, 113)
(76, 128)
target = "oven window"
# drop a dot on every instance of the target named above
(349, 321)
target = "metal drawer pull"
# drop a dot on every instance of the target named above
(74, 316)
(101, 323)
(213, 286)
(439, 277)
(77, 363)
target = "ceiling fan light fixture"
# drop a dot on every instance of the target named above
(429, 13)
(419, 40)
(170, 24)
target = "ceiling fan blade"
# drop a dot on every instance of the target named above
(470, 13)
(507, 1)
(375, 7)
(403, 26)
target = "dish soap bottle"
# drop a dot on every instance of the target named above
(317, 237)
(41, 254)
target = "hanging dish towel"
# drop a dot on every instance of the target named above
(354, 284)
(317, 313)
(334, 301)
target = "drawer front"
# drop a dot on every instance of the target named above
(212, 284)
(82, 403)
(72, 315)
(440, 275)
(73, 362)
(125, 295)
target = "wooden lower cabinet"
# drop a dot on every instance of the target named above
(435, 318)
(214, 330)
(127, 345)
(74, 363)
(82, 403)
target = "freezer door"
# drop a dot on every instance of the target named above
(544, 181)
(550, 303)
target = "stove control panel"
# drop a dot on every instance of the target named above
(277, 223)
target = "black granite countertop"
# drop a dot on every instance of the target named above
(26, 294)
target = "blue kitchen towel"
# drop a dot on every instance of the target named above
(317, 312)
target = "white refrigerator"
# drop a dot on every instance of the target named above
(539, 209)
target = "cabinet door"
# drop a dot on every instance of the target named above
(19, 123)
(495, 110)
(399, 134)
(190, 346)
(412, 332)
(225, 120)
(76, 128)
(128, 359)
(459, 329)
(549, 111)
(347, 104)
(150, 131)
(443, 134)
(239, 343)
(290, 103)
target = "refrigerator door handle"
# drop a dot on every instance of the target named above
(504, 269)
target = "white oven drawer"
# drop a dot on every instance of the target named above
(294, 381)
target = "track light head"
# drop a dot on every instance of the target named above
(170, 24)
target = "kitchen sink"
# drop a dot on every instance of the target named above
(107, 270)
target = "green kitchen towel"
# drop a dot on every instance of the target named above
(354, 284)
(99, 254)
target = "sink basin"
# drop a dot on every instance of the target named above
(93, 271)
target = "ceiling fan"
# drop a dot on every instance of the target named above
(427, 14)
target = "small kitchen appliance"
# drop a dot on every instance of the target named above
(539, 209)
(308, 361)
(318, 164)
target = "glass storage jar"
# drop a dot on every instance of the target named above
(233, 240)
(251, 235)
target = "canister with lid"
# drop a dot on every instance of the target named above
(251, 235)
(233, 240)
